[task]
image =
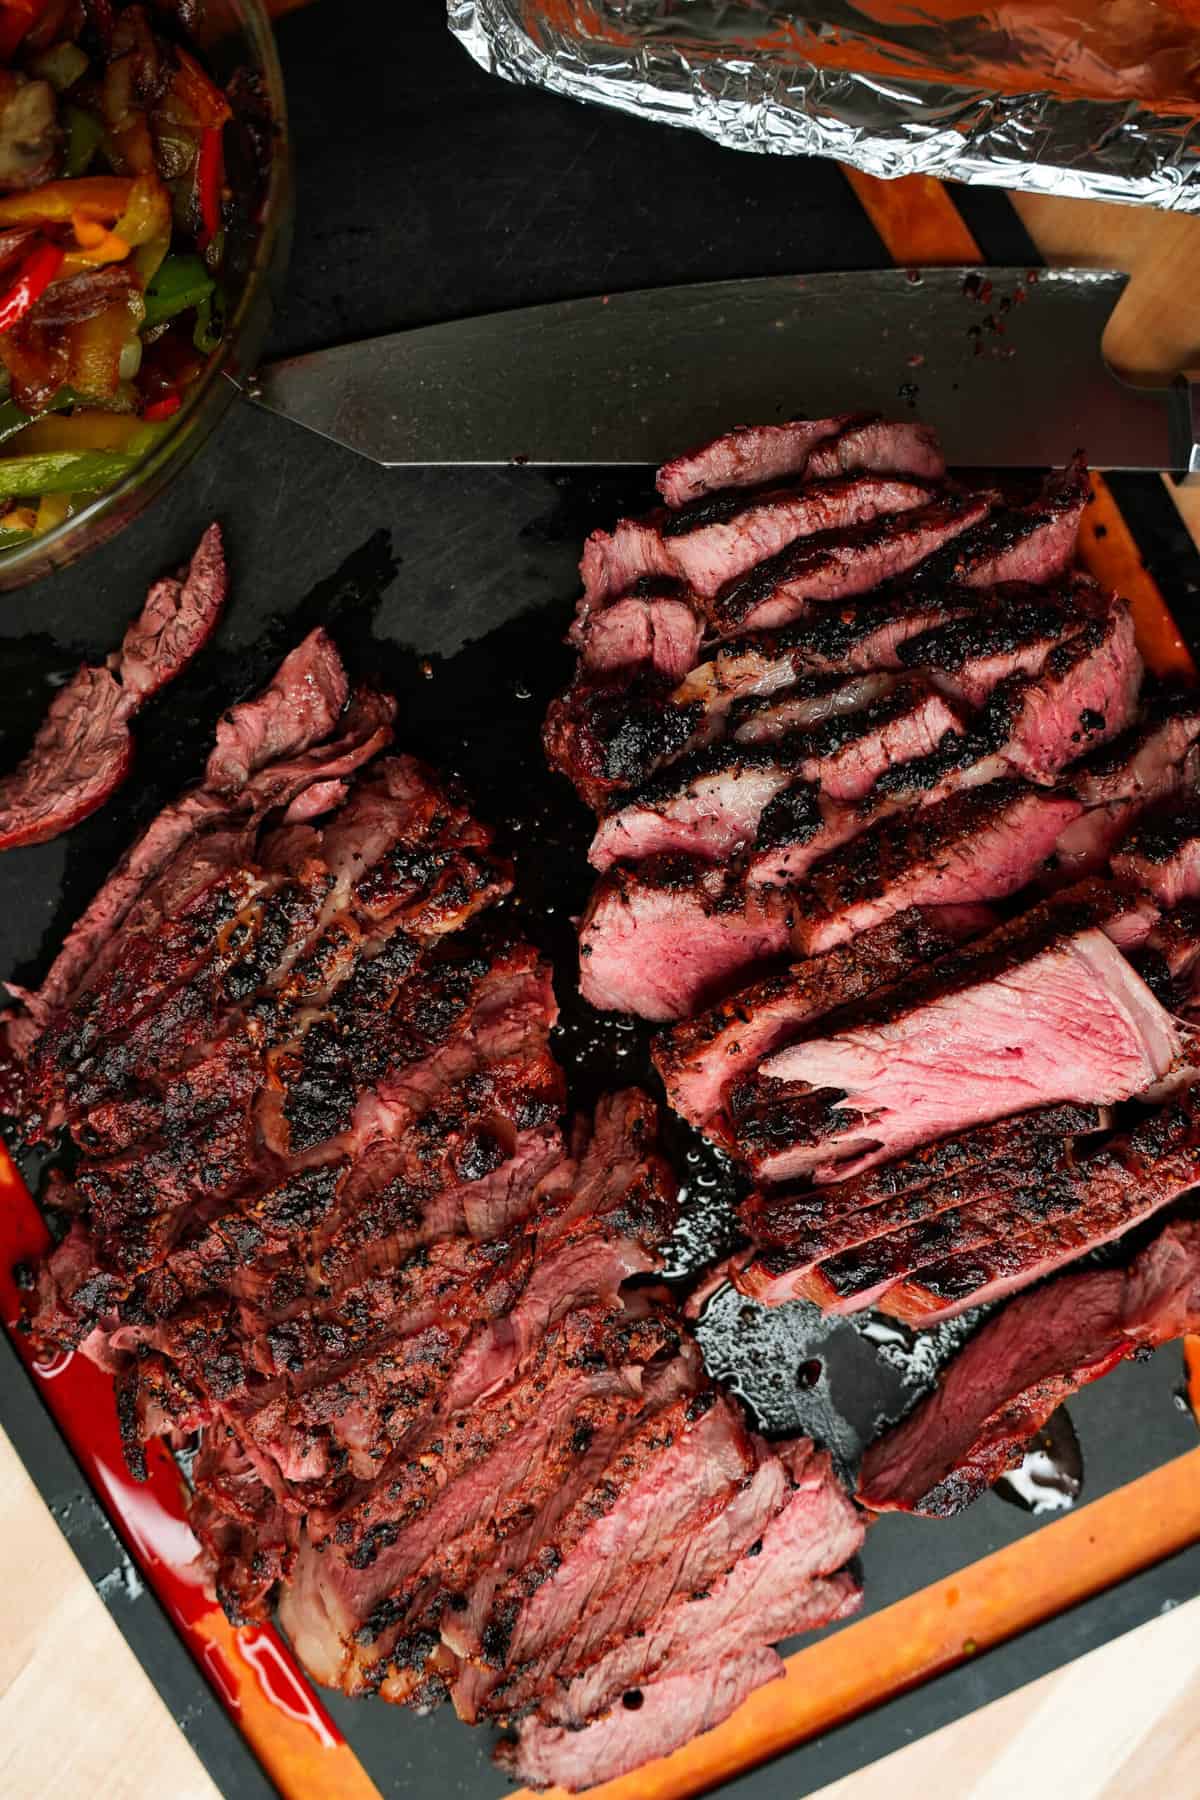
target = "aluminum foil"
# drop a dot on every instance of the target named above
(891, 88)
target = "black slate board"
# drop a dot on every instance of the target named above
(428, 192)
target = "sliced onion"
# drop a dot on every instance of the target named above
(131, 358)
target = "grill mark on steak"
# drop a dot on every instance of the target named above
(977, 845)
(1163, 855)
(712, 801)
(834, 565)
(1124, 1183)
(1033, 543)
(717, 538)
(1004, 1385)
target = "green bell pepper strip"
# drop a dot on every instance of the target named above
(10, 539)
(12, 419)
(178, 283)
(62, 472)
(85, 134)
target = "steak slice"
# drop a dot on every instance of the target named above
(83, 750)
(1122, 1184)
(668, 1712)
(702, 1058)
(810, 1233)
(1000, 1390)
(1033, 543)
(640, 1529)
(1012, 634)
(1047, 1006)
(772, 1592)
(756, 455)
(379, 1562)
(1154, 758)
(747, 456)
(901, 447)
(198, 835)
(836, 564)
(1085, 693)
(978, 845)
(659, 631)
(608, 738)
(716, 539)
(1163, 855)
(669, 935)
(711, 802)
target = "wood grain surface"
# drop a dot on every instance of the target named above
(1120, 1724)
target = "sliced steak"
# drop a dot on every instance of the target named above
(836, 564)
(716, 539)
(83, 749)
(902, 447)
(1122, 1184)
(199, 834)
(671, 934)
(639, 1531)
(978, 845)
(1153, 759)
(1163, 855)
(1002, 1388)
(1084, 695)
(607, 738)
(1047, 1005)
(747, 456)
(659, 631)
(658, 1719)
(843, 1253)
(711, 802)
(1012, 634)
(700, 1059)
(1032, 725)
(1033, 543)
(773, 1592)
(755, 455)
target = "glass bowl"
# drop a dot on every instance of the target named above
(234, 34)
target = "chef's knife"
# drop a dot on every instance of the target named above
(1005, 364)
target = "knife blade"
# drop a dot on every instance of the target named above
(1005, 364)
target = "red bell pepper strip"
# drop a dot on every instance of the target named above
(34, 276)
(162, 409)
(17, 18)
(202, 97)
(210, 174)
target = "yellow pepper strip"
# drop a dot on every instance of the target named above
(96, 196)
(96, 243)
(85, 429)
(146, 215)
(52, 510)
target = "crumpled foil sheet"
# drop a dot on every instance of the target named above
(734, 70)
